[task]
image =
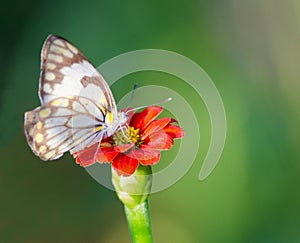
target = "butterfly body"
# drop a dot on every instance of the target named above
(78, 108)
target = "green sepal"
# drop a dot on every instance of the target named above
(133, 190)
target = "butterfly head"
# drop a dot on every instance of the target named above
(116, 122)
(122, 117)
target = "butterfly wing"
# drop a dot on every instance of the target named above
(64, 124)
(77, 104)
(65, 71)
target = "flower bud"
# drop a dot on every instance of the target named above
(133, 190)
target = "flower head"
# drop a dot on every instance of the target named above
(139, 142)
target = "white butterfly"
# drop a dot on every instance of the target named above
(77, 107)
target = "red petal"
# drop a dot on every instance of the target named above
(106, 155)
(106, 145)
(86, 156)
(152, 161)
(156, 126)
(174, 131)
(84, 162)
(143, 153)
(125, 165)
(124, 147)
(142, 119)
(106, 140)
(158, 141)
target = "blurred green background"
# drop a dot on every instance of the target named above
(251, 51)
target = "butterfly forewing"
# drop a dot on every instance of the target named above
(65, 71)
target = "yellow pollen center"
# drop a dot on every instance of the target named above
(127, 136)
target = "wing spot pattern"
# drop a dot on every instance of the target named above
(60, 102)
(59, 43)
(97, 129)
(47, 88)
(55, 58)
(72, 48)
(109, 118)
(31, 131)
(42, 149)
(49, 76)
(39, 137)
(39, 125)
(45, 112)
(50, 66)
(49, 154)
(61, 50)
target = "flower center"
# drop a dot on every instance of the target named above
(127, 136)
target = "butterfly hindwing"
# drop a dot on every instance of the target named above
(65, 124)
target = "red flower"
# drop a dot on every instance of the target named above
(138, 143)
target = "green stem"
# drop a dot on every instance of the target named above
(138, 219)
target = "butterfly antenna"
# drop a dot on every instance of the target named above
(144, 106)
(132, 94)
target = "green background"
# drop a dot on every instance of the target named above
(251, 51)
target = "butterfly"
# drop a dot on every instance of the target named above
(77, 106)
